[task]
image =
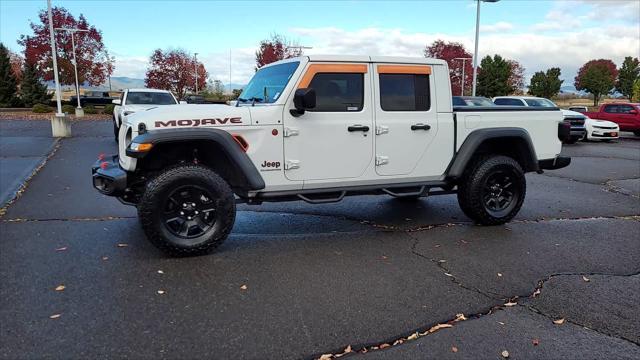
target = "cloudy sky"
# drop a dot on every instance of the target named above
(539, 34)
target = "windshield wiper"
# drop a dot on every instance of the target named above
(252, 99)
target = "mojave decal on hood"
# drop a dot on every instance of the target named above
(192, 115)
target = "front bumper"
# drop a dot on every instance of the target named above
(556, 163)
(108, 176)
(578, 132)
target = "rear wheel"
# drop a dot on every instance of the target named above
(187, 210)
(492, 191)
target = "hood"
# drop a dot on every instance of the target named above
(139, 107)
(600, 122)
(572, 113)
(191, 115)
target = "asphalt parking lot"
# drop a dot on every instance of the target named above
(383, 278)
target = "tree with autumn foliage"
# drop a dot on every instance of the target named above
(8, 84)
(94, 62)
(16, 65)
(597, 77)
(516, 77)
(274, 49)
(175, 70)
(449, 52)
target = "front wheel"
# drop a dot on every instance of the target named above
(187, 210)
(492, 191)
(116, 130)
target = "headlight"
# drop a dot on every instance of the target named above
(140, 147)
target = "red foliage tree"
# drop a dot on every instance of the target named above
(448, 52)
(274, 49)
(174, 70)
(16, 65)
(597, 77)
(516, 78)
(94, 62)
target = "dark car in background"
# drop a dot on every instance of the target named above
(93, 98)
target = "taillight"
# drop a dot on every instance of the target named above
(241, 141)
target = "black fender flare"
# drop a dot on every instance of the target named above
(252, 180)
(475, 140)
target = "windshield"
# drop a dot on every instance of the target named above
(540, 102)
(150, 98)
(267, 84)
(479, 101)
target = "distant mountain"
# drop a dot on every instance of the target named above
(570, 89)
(123, 82)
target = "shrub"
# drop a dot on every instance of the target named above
(42, 109)
(68, 109)
(90, 109)
(108, 109)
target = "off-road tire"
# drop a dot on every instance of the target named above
(152, 207)
(472, 189)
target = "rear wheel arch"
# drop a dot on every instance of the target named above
(512, 142)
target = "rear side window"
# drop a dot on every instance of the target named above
(338, 92)
(404, 92)
(625, 109)
(611, 109)
(510, 102)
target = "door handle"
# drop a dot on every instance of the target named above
(362, 128)
(420, 127)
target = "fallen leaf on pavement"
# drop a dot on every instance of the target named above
(448, 274)
(62, 248)
(54, 316)
(384, 346)
(160, 272)
(454, 349)
(325, 357)
(535, 342)
(500, 322)
(438, 327)
(442, 261)
(60, 287)
(499, 275)
(123, 245)
(160, 292)
(505, 354)
(510, 304)
(413, 336)
(536, 293)
(243, 287)
(104, 258)
(586, 279)
(460, 317)
(559, 321)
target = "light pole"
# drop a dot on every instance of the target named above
(54, 56)
(79, 111)
(464, 63)
(475, 53)
(195, 61)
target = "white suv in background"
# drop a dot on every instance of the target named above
(575, 119)
(133, 100)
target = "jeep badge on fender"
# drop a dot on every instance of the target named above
(185, 167)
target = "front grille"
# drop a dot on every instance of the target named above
(574, 120)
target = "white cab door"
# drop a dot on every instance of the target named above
(405, 117)
(335, 139)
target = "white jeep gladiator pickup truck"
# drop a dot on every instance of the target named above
(319, 128)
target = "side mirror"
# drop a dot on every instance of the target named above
(182, 102)
(633, 112)
(303, 99)
(116, 102)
